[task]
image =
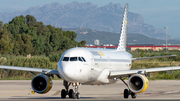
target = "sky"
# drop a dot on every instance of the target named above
(159, 13)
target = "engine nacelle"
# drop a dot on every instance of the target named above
(138, 83)
(41, 84)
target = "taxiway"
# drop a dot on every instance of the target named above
(21, 90)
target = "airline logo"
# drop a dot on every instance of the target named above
(99, 53)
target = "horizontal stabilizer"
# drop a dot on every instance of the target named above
(143, 58)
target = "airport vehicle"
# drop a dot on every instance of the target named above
(93, 66)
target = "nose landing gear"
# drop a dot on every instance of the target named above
(76, 93)
(71, 93)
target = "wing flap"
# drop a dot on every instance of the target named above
(138, 71)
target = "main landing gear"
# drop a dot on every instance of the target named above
(71, 93)
(128, 92)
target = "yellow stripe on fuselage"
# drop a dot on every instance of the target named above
(101, 53)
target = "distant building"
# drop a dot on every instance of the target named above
(133, 47)
(96, 42)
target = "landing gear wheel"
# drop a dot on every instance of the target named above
(133, 95)
(126, 93)
(78, 96)
(71, 93)
(74, 96)
(63, 94)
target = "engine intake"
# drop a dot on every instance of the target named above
(138, 83)
(41, 84)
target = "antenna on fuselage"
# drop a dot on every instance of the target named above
(123, 35)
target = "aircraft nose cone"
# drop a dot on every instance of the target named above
(69, 71)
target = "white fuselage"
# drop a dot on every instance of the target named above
(92, 65)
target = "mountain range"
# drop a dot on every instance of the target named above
(88, 15)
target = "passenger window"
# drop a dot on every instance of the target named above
(66, 59)
(73, 59)
(83, 59)
(80, 59)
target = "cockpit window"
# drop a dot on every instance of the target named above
(80, 59)
(73, 58)
(66, 59)
(83, 59)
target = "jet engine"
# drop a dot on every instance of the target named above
(138, 83)
(41, 84)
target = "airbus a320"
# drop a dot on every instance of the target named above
(93, 66)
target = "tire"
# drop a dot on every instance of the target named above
(63, 93)
(126, 93)
(71, 93)
(133, 95)
(78, 96)
(74, 96)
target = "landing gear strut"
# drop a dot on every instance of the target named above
(128, 92)
(76, 93)
(70, 92)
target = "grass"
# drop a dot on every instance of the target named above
(44, 62)
(155, 63)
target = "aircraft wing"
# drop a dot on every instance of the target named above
(153, 57)
(139, 71)
(46, 71)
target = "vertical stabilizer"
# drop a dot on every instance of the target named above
(123, 36)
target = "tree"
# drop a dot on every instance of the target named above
(18, 25)
(28, 46)
(1, 28)
(25, 35)
(70, 34)
(1, 24)
(31, 20)
(82, 43)
(6, 45)
(18, 45)
(39, 45)
(41, 28)
(56, 40)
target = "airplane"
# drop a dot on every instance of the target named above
(94, 66)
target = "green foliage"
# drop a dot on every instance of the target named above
(69, 34)
(1, 24)
(82, 43)
(6, 45)
(30, 20)
(36, 62)
(160, 62)
(55, 56)
(26, 35)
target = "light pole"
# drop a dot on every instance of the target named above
(166, 36)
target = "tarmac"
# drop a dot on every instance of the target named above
(157, 90)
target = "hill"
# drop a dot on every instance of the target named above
(113, 38)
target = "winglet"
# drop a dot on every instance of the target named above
(123, 35)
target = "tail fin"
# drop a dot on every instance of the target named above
(123, 35)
